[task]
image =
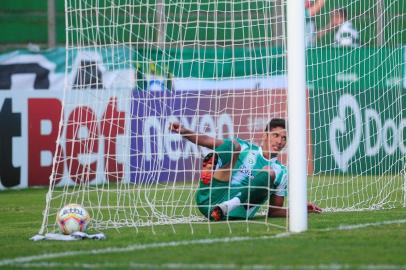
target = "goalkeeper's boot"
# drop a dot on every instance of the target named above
(219, 212)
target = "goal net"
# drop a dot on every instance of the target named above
(356, 98)
(219, 68)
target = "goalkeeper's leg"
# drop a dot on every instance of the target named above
(250, 193)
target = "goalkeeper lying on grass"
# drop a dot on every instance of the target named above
(240, 176)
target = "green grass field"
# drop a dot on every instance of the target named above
(346, 240)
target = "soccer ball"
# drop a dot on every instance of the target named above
(72, 218)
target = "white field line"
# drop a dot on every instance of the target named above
(130, 248)
(135, 247)
(134, 265)
(363, 225)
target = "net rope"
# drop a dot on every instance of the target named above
(219, 68)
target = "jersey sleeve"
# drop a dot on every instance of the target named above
(281, 181)
(282, 186)
(307, 14)
(225, 151)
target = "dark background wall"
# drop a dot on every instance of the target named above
(25, 21)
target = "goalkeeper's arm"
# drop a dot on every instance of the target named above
(276, 207)
(199, 139)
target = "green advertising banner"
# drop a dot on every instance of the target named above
(357, 106)
(212, 63)
(356, 96)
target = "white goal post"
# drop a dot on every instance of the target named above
(224, 69)
(297, 117)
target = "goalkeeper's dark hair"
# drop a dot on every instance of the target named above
(276, 122)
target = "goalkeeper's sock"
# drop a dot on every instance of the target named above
(232, 204)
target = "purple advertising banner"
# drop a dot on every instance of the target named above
(159, 155)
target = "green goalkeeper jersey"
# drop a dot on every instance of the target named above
(249, 163)
(247, 175)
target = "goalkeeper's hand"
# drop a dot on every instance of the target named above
(313, 208)
(178, 128)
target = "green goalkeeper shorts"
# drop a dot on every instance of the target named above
(216, 192)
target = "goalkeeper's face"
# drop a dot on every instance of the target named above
(275, 140)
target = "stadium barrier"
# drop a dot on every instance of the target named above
(31, 90)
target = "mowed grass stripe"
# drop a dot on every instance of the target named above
(381, 245)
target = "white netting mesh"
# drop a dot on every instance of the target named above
(219, 67)
(357, 106)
